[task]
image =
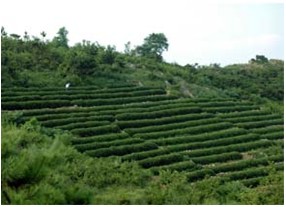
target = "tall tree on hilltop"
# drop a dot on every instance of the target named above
(61, 40)
(153, 47)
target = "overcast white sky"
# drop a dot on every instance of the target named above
(208, 32)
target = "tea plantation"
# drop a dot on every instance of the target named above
(199, 137)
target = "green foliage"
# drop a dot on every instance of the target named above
(161, 121)
(96, 145)
(153, 46)
(187, 130)
(84, 132)
(121, 150)
(46, 171)
(157, 114)
(61, 40)
(260, 59)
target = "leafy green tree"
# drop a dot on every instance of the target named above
(3, 32)
(61, 40)
(259, 59)
(107, 55)
(153, 47)
(127, 49)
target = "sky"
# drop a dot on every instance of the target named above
(201, 32)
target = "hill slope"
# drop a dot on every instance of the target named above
(226, 138)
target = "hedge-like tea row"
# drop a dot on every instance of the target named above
(200, 137)
(242, 164)
(248, 173)
(206, 100)
(57, 111)
(99, 102)
(223, 103)
(160, 160)
(83, 125)
(70, 97)
(273, 135)
(249, 125)
(106, 107)
(143, 110)
(50, 118)
(199, 174)
(144, 155)
(229, 109)
(31, 89)
(62, 88)
(122, 150)
(214, 143)
(188, 130)
(243, 114)
(172, 126)
(224, 157)
(73, 119)
(88, 102)
(100, 138)
(74, 92)
(252, 182)
(267, 129)
(85, 132)
(34, 104)
(98, 145)
(178, 166)
(253, 118)
(241, 147)
(158, 114)
(161, 121)
(237, 175)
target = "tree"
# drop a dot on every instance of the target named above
(61, 40)
(3, 32)
(127, 49)
(153, 47)
(260, 59)
(43, 34)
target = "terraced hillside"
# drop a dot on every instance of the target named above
(199, 136)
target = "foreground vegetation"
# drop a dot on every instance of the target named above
(40, 167)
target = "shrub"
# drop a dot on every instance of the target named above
(85, 132)
(268, 129)
(214, 143)
(160, 160)
(243, 114)
(242, 164)
(144, 155)
(273, 135)
(121, 150)
(229, 109)
(84, 125)
(178, 166)
(158, 114)
(171, 126)
(249, 125)
(161, 121)
(217, 158)
(200, 137)
(98, 145)
(100, 138)
(241, 147)
(253, 118)
(188, 130)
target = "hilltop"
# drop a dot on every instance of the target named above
(36, 62)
